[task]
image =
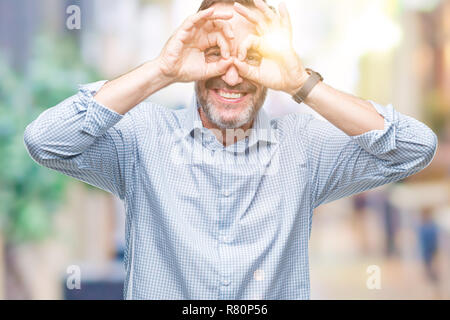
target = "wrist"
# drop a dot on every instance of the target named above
(149, 78)
(159, 70)
(299, 82)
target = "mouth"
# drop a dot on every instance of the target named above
(231, 97)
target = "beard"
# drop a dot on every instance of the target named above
(215, 116)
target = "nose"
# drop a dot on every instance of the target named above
(231, 77)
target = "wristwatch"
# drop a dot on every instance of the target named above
(312, 81)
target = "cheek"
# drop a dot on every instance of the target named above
(257, 95)
(201, 89)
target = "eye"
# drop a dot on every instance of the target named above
(213, 54)
(253, 58)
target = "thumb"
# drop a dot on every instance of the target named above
(215, 69)
(246, 71)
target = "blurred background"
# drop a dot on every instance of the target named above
(389, 51)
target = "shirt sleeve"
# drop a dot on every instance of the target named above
(83, 139)
(342, 165)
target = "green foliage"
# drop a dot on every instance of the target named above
(29, 193)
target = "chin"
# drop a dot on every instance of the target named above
(229, 107)
(227, 116)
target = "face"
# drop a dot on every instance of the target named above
(230, 101)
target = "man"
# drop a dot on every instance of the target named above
(219, 199)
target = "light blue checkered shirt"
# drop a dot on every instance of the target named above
(208, 222)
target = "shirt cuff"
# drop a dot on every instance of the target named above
(99, 119)
(378, 142)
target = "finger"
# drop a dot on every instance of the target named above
(217, 39)
(250, 15)
(265, 9)
(192, 20)
(216, 69)
(220, 25)
(225, 27)
(224, 47)
(198, 19)
(213, 16)
(251, 42)
(247, 71)
(285, 16)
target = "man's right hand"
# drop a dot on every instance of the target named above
(183, 57)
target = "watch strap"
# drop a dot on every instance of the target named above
(312, 81)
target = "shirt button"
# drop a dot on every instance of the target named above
(226, 239)
(259, 275)
(227, 193)
(226, 282)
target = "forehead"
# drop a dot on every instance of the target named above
(240, 25)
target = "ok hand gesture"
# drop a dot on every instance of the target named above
(279, 67)
(183, 58)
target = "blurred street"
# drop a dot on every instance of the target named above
(342, 249)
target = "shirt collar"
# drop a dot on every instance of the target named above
(262, 128)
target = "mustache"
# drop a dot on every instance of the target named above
(218, 83)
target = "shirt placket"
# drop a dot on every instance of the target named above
(225, 228)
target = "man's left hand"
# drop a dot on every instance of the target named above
(279, 67)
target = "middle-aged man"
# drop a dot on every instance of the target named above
(219, 199)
